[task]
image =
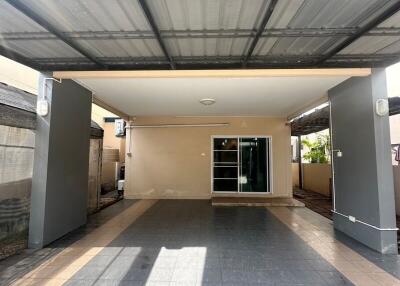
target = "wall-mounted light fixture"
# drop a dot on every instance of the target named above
(207, 101)
(42, 104)
(382, 107)
(338, 153)
(42, 107)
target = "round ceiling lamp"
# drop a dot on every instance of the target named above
(207, 101)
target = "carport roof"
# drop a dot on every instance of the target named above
(319, 119)
(199, 34)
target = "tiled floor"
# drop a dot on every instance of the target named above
(182, 242)
(322, 205)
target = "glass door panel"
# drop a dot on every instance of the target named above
(241, 165)
(253, 165)
(225, 143)
(226, 158)
(225, 165)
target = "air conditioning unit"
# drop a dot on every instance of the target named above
(120, 128)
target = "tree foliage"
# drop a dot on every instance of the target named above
(318, 149)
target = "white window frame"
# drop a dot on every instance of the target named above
(270, 169)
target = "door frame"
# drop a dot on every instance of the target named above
(267, 158)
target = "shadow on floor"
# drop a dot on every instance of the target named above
(16, 266)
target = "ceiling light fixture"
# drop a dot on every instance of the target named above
(207, 101)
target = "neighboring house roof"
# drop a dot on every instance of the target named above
(140, 34)
(319, 119)
(18, 109)
(95, 130)
(17, 98)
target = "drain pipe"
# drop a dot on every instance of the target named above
(332, 163)
(300, 162)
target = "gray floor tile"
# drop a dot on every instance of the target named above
(187, 275)
(234, 276)
(160, 275)
(89, 273)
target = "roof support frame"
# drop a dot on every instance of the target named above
(156, 31)
(201, 34)
(260, 30)
(386, 14)
(233, 62)
(47, 26)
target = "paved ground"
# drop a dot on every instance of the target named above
(314, 201)
(323, 205)
(191, 243)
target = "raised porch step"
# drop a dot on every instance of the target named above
(253, 202)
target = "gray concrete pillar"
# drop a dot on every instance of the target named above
(60, 173)
(363, 176)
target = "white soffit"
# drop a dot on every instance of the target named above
(259, 96)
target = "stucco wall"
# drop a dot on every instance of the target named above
(316, 178)
(60, 176)
(295, 175)
(176, 162)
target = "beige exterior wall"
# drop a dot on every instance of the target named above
(98, 114)
(295, 175)
(110, 140)
(19, 76)
(316, 178)
(113, 142)
(176, 162)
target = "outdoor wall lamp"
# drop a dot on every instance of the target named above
(42, 107)
(42, 104)
(338, 153)
(382, 107)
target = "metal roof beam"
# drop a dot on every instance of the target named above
(297, 59)
(156, 31)
(260, 30)
(46, 25)
(200, 34)
(148, 63)
(387, 13)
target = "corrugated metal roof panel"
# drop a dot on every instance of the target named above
(393, 21)
(198, 15)
(292, 45)
(321, 13)
(118, 31)
(369, 45)
(122, 47)
(42, 49)
(207, 14)
(207, 46)
(91, 15)
(393, 48)
(12, 21)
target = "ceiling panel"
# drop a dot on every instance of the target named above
(262, 96)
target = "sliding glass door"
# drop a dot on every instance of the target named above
(254, 165)
(241, 164)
